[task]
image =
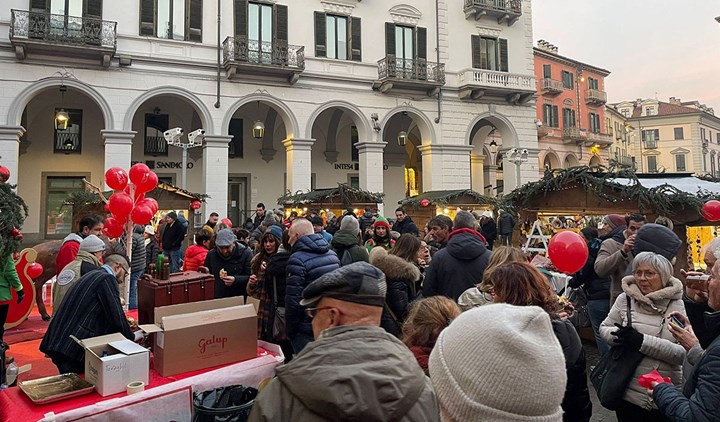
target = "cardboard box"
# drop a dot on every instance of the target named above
(124, 362)
(199, 335)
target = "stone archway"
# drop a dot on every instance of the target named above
(198, 105)
(292, 127)
(551, 161)
(570, 161)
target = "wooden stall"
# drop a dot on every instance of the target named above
(423, 207)
(335, 200)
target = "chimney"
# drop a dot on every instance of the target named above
(546, 46)
(675, 101)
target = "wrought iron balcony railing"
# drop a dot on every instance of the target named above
(420, 70)
(595, 96)
(63, 29)
(272, 54)
(67, 142)
(503, 10)
(156, 145)
(571, 133)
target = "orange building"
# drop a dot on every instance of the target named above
(570, 110)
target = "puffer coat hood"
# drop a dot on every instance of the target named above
(466, 244)
(658, 239)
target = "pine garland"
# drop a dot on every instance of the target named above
(13, 211)
(343, 193)
(446, 197)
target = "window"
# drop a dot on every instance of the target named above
(406, 45)
(651, 135)
(58, 216)
(650, 110)
(550, 115)
(718, 137)
(155, 127)
(679, 133)
(354, 139)
(680, 162)
(172, 19)
(354, 181)
(66, 20)
(489, 53)
(567, 79)
(702, 133)
(69, 140)
(337, 37)
(594, 123)
(593, 83)
(652, 164)
(568, 117)
(547, 71)
(260, 30)
(625, 112)
(236, 146)
(261, 33)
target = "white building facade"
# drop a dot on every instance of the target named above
(335, 84)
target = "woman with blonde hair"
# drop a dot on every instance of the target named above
(482, 293)
(425, 320)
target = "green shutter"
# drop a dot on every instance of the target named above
(475, 51)
(241, 18)
(320, 34)
(280, 13)
(421, 43)
(147, 17)
(547, 114)
(547, 71)
(92, 9)
(389, 39)
(195, 21)
(555, 114)
(503, 45)
(355, 42)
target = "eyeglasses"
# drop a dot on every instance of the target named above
(311, 312)
(645, 274)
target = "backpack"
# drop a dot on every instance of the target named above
(346, 258)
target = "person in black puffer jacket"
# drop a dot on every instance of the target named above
(597, 289)
(521, 284)
(277, 270)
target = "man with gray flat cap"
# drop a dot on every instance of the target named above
(354, 369)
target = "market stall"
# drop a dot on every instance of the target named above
(427, 205)
(335, 200)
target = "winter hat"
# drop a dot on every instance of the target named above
(614, 220)
(172, 214)
(92, 244)
(350, 223)
(269, 219)
(358, 282)
(225, 237)
(150, 230)
(381, 221)
(658, 239)
(518, 374)
(276, 231)
(317, 221)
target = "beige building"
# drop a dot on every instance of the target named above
(618, 130)
(673, 137)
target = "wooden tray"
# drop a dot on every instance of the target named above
(55, 388)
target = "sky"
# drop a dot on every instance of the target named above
(654, 48)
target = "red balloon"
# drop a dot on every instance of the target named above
(568, 252)
(35, 270)
(149, 183)
(711, 210)
(196, 205)
(227, 222)
(141, 215)
(119, 219)
(139, 173)
(120, 203)
(4, 174)
(150, 203)
(116, 178)
(113, 228)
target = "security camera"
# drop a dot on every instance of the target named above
(173, 135)
(524, 151)
(196, 136)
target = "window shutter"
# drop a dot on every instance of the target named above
(241, 18)
(320, 34)
(555, 117)
(389, 39)
(355, 42)
(280, 13)
(421, 43)
(92, 9)
(547, 71)
(475, 47)
(547, 114)
(39, 6)
(147, 17)
(195, 21)
(502, 43)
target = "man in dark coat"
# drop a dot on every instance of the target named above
(259, 215)
(366, 221)
(311, 258)
(229, 263)
(172, 239)
(404, 223)
(461, 264)
(488, 228)
(90, 308)
(505, 227)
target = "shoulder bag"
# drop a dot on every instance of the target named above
(615, 370)
(278, 331)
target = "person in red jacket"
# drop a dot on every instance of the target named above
(90, 224)
(195, 254)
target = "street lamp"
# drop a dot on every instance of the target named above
(195, 139)
(402, 136)
(518, 157)
(493, 146)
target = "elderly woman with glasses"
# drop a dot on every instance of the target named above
(654, 294)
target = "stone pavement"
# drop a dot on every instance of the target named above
(600, 414)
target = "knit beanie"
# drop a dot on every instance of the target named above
(658, 239)
(614, 220)
(517, 375)
(173, 215)
(92, 244)
(350, 223)
(381, 221)
(276, 231)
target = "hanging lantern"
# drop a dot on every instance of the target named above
(402, 138)
(62, 118)
(258, 130)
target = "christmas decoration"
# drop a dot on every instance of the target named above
(568, 252)
(711, 210)
(196, 205)
(425, 202)
(13, 212)
(4, 174)
(14, 232)
(35, 270)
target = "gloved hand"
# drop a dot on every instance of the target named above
(21, 296)
(628, 336)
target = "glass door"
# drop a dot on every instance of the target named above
(237, 210)
(260, 29)
(404, 52)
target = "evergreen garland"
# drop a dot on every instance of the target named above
(446, 197)
(13, 211)
(342, 194)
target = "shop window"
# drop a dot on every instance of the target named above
(69, 140)
(59, 217)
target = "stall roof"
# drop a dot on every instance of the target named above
(445, 197)
(342, 194)
(688, 184)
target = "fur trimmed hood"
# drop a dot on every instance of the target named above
(394, 267)
(656, 301)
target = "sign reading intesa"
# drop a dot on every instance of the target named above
(353, 166)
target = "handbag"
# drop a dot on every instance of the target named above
(278, 331)
(581, 317)
(615, 370)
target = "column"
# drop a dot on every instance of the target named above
(215, 174)
(118, 148)
(477, 169)
(445, 167)
(372, 167)
(10, 150)
(299, 164)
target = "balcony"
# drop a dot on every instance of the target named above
(594, 96)
(61, 35)
(602, 139)
(651, 144)
(476, 84)
(261, 60)
(504, 11)
(156, 145)
(545, 131)
(624, 160)
(395, 74)
(551, 87)
(571, 134)
(67, 142)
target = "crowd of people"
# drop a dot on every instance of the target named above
(389, 322)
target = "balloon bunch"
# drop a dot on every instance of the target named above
(128, 204)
